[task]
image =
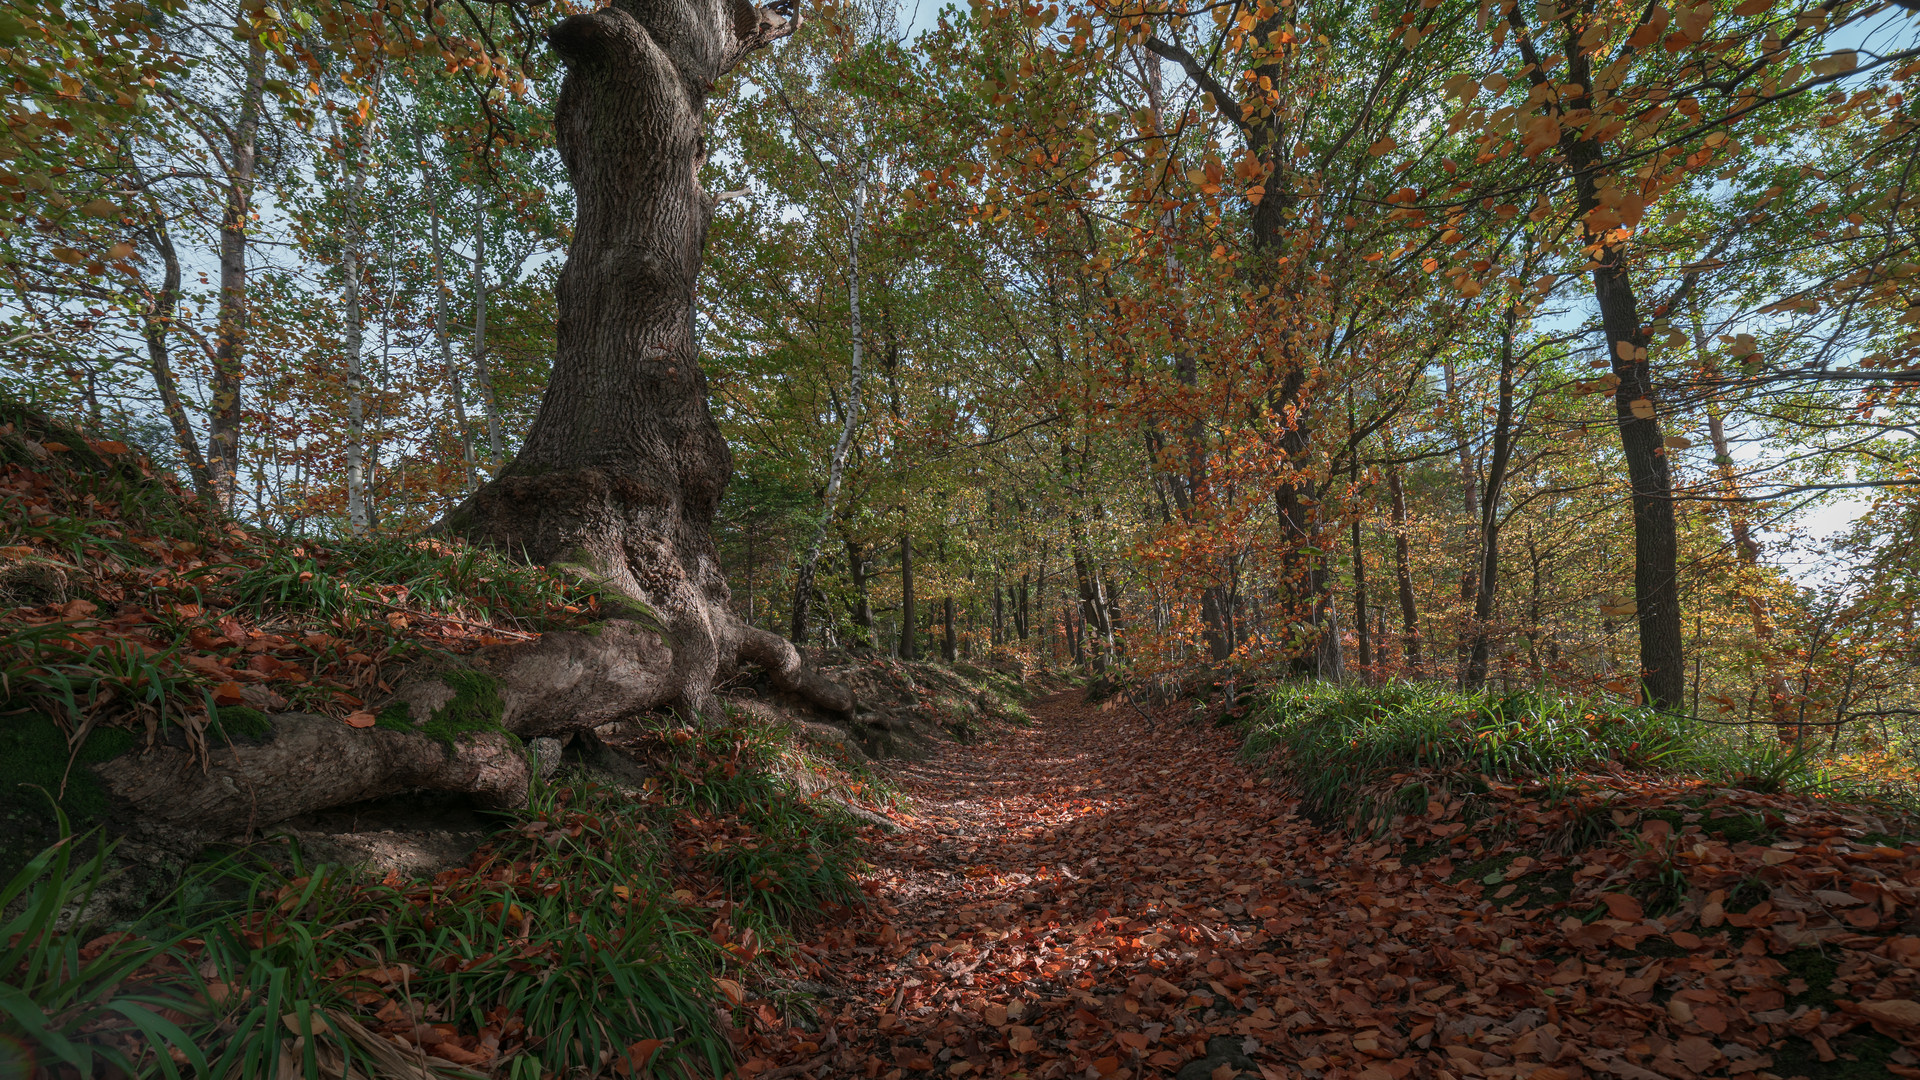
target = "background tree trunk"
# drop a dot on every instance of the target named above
(837, 465)
(909, 642)
(1487, 581)
(622, 470)
(1403, 569)
(481, 371)
(351, 268)
(156, 319)
(456, 392)
(224, 412)
(949, 644)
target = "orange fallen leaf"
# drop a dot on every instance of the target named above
(361, 719)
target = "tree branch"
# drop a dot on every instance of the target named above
(1223, 100)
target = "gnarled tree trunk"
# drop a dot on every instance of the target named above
(623, 468)
(619, 479)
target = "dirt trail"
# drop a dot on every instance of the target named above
(1089, 894)
(1094, 898)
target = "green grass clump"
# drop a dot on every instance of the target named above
(787, 857)
(1336, 739)
(94, 1006)
(595, 921)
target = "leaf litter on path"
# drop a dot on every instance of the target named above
(1093, 898)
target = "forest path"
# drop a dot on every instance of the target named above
(1092, 897)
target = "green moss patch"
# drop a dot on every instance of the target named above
(234, 723)
(396, 717)
(33, 760)
(476, 706)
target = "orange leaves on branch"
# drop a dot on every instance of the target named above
(1541, 134)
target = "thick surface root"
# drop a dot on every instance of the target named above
(457, 725)
(310, 763)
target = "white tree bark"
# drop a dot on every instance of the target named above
(803, 582)
(456, 392)
(480, 369)
(352, 265)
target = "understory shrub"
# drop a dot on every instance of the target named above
(1334, 739)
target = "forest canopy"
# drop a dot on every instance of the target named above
(1498, 343)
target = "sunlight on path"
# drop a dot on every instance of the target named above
(1092, 898)
(1089, 895)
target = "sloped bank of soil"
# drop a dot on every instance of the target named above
(1096, 898)
(181, 679)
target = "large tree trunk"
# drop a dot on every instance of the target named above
(1656, 547)
(622, 471)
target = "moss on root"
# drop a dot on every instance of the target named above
(238, 722)
(476, 706)
(395, 717)
(34, 760)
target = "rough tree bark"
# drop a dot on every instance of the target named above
(618, 482)
(236, 218)
(622, 470)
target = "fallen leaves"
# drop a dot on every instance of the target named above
(1146, 917)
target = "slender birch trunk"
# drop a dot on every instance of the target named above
(456, 391)
(352, 266)
(803, 582)
(481, 370)
(156, 319)
(229, 358)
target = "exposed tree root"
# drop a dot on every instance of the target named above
(456, 725)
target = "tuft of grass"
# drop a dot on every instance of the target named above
(1335, 739)
(82, 1005)
(787, 858)
(598, 929)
